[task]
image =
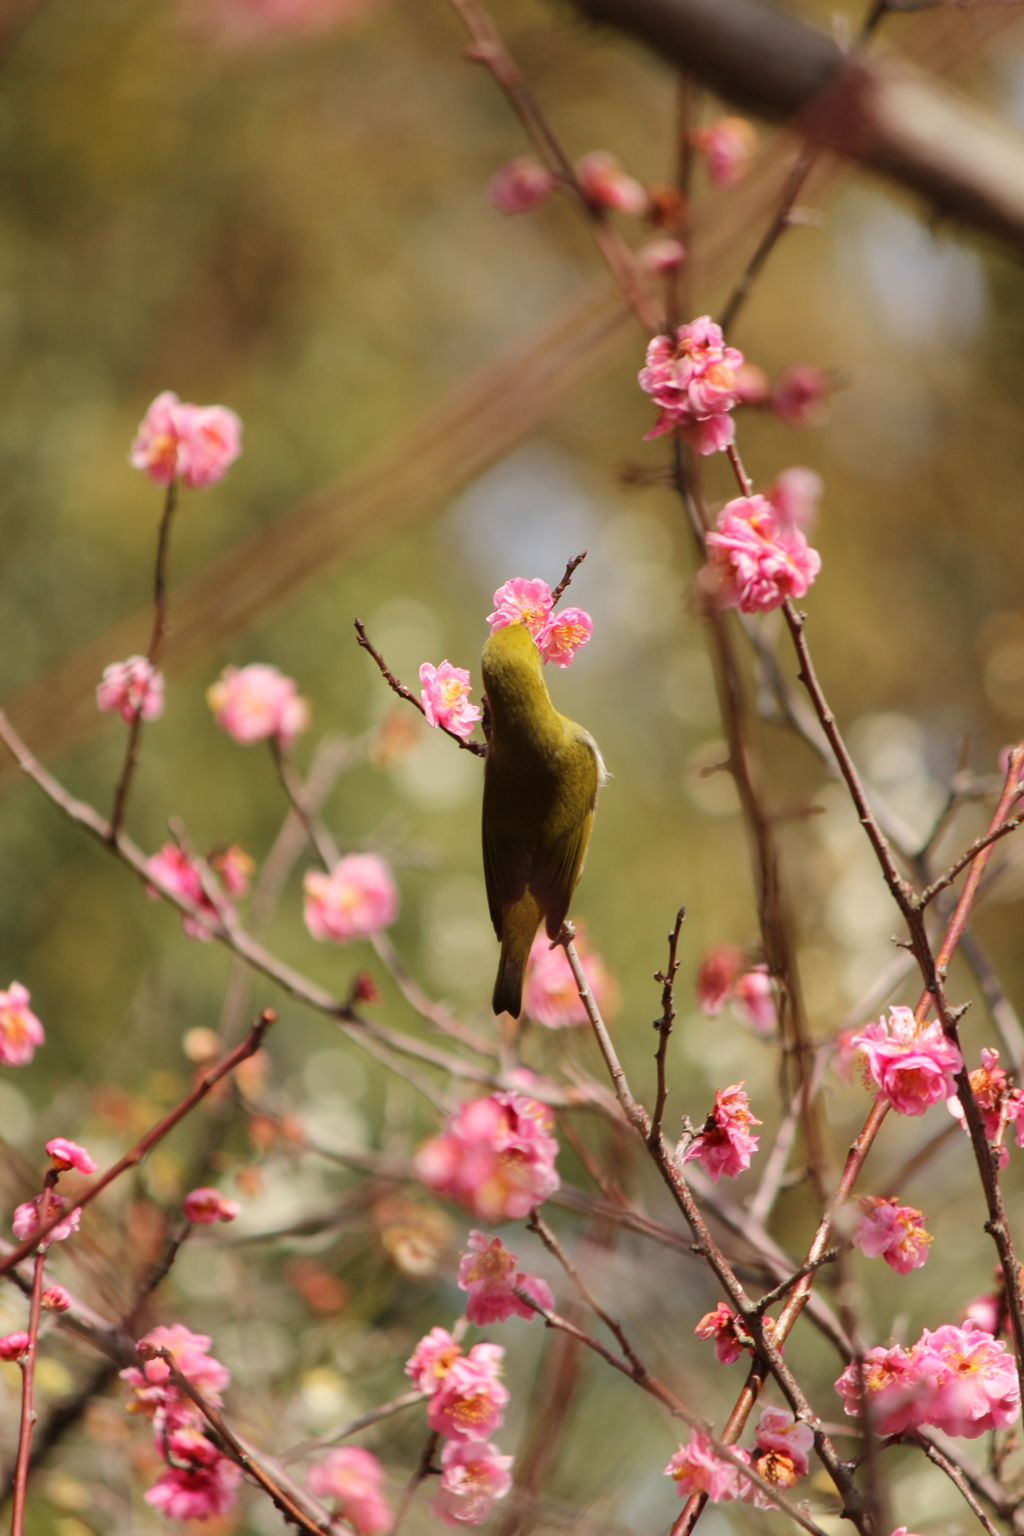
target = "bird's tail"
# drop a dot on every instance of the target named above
(520, 922)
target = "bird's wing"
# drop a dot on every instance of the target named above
(559, 868)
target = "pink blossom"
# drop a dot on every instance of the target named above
(977, 1388)
(472, 1477)
(66, 1154)
(353, 1478)
(262, 21)
(432, 1359)
(470, 1402)
(520, 601)
(55, 1299)
(692, 380)
(1000, 1104)
(196, 1493)
(722, 1325)
(898, 1385)
(753, 1001)
(662, 256)
(910, 1065)
(233, 868)
(605, 184)
(190, 1352)
(755, 563)
(988, 1312)
(132, 687)
(800, 396)
(204, 1205)
(893, 1232)
(488, 1272)
(521, 185)
(716, 977)
(563, 634)
(550, 994)
(193, 443)
(356, 900)
(728, 145)
(778, 1431)
(752, 385)
(256, 702)
(14, 1346)
(172, 870)
(445, 698)
(20, 1030)
(795, 493)
(495, 1156)
(725, 1145)
(25, 1220)
(695, 1468)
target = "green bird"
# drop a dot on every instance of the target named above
(541, 779)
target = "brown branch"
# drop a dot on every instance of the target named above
(424, 1468)
(320, 840)
(664, 1024)
(28, 1371)
(403, 692)
(571, 566)
(334, 1436)
(957, 1478)
(930, 892)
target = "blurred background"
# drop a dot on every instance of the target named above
(282, 209)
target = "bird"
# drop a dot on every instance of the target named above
(542, 774)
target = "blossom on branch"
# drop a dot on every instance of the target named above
(550, 994)
(197, 1492)
(800, 396)
(151, 1379)
(893, 1232)
(356, 900)
(754, 561)
(662, 256)
(354, 1479)
(605, 184)
(172, 870)
(488, 1273)
(782, 1447)
(470, 1401)
(55, 1299)
(26, 1220)
(233, 868)
(192, 443)
(563, 634)
(132, 687)
(692, 380)
(696, 1468)
(727, 145)
(204, 1205)
(473, 1476)
(1000, 1104)
(495, 1156)
(66, 1154)
(716, 977)
(911, 1065)
(521, 185)
(20, 1030)
(753, 1001)
(725, 1145)
(521, 601)
(795, 493)
(256, 702)
(14, 1346)
(724, 1327)
(445, 698)
(432, 1359)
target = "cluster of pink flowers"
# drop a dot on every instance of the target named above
(489, 1275)
(466, 1403)
(256, 702)
(558, 635)
(910, 1065)
(353, 1478)
(779, 1455)
(26, 1219)
(757, 559)
(1001, 1104)
(445, 698)
(172, 870)
(521, 185)
(722, 978)
(726, 1145)
(800, 396)
(893, 1232)
(20, 1030)
(495, 1156)
(199, 1482)
(550, 994)
(692, 380)
(191, 443)
(356, 900)
(960, 1380)
(132, 688)
(204, 1205)
(725, 1328)
(727, 145)
(606, 185)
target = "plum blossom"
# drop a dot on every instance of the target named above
(356, 900)
(256, 702)
(800, 396)
(778, 1432)
(190, 1352)
(204, 1205)
(192, 443)
(795, 493)
(233, 868)
(495, 1156)
(893, 1232)
(197, 1492)
(66, 1154)
(488, 1273)
(754, 561)
(1001, 1104)
(727, 145)
(696, 1468)
(55, 1299)
(133, 688)
(172, 870)
(521, 185)
(445, 698)
(753, 1001)
(897, 1389)
(910, 1065)
(752, 387)
(20, 1030)
(725, 1145)
(606, 185)
(432, 1359)
(354, 1479)
(692, 380)
(724, 1327)
(470, 1401)
(662, 256)
(563, 634)
(716, 977)
(26, 1221)
(521, 601)
(473, 1476)
(14, 1346)
(550, 994)
(989, 1312)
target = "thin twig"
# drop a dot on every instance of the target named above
(403, 692)
(956, 1477)
(28, 1368)
(571, 566)
(664, 1024)
(320, 840)
(424, 1468)
(335, 1436)
(959, 865)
